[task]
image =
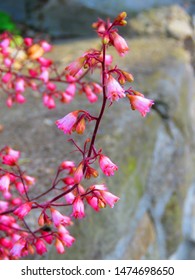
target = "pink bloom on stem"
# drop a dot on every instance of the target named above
(114, 89)
(107, 166)
(40, 247)
(90, 94)
(20, 86)
(74, 67)
(48, 101)
(46, 46)
(120, 44)
(109, 198)
(67, 164)
(23, 210)
(93, 202)
(140, 103)
(65, 237)
(4, 183)
(20, 98)
(5, 43)
(45, 62)
(22, 188)
(28, 41)
(44, 76)
(8, 62)
(71, 89)
(69, 197)
(6, 77)
(67, 123)
(78, 208)
(29, 179)
(16, 250)
(11, 157)
(3, 205)
(78, 175)
(58, 218)
(59, 246)
(51, 86)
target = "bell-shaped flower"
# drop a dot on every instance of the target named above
(67, 123)
(107, 166)
(140, 103)
(114, 89)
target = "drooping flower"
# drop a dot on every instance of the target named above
(4, 183)
(107, 166)
(114, 89)
(140, 103)
(65, 236)
(11, 157)
(67, 123)
(46, 46)
(74, 67)
(119, 44)
(58, 218)
(109, 198)
(16, 250)
(20, 86)
(40, 247)
(78, 175)
(59, 246)
(6, 77)
(23, 210)
(78, 208)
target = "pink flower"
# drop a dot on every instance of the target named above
(71, 89)
(20, 98)
(22, 188)
(90, 94)
(44, 61)
(114, 89)
(68, 165)
(69, 197)
(28, 41)
(58, 218)
(78, 175)
(4, 183)
(40, 247)
(48, 101)
(51, 86)
(46, 46)
(93, 202)
(23, 210)
(11, 157)
(16, 250)
(140, 103)
(6, 77)
(78, 208)
(3, 205)
(65, 237)
(107, 166)
(44, 76)
(109, 198)
(67, 123)
(120, 44)
(5, 43)
(59, 246)
(74, 67)
(20, 86)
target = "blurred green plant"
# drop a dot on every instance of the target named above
(6, 24)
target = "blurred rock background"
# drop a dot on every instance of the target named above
(155, 217)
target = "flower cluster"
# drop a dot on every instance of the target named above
(70, 188)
